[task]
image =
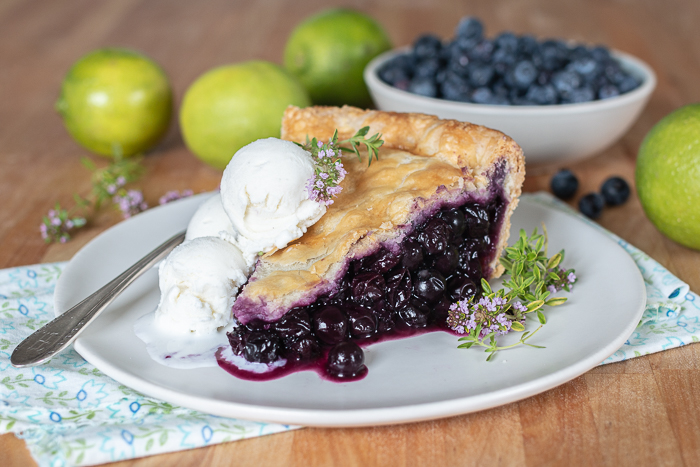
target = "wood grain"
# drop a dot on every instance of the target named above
(640, 412)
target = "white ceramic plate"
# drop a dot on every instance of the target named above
(412, 379)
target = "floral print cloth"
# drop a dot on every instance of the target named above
(69, 413)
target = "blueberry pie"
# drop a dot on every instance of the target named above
(408, 235)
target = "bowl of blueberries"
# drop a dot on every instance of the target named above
(559, 101)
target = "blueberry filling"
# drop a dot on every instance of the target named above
(393, 292)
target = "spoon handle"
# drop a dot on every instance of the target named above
(58, 334)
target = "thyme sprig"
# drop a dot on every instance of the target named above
(324, 185)
(533, 279)
(373, 143)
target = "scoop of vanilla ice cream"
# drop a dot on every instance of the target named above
(210, 220)
(263, 191)
(199, 282)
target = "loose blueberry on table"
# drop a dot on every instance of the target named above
(506, 70)
(564, 184)
(615, 191)
(386, 295)
(591, 205)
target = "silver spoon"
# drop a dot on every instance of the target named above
(58, 334)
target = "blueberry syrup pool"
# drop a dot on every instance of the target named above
(393, 293)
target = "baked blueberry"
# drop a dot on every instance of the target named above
(330, 325)
(429, 285)
(345, 360)
(261, 347)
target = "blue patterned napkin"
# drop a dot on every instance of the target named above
(69, 413)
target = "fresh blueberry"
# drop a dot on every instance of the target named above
(426, 46)
(627, 84)
(482, 51)
(527, 45)
(565, 82)
(470, 26)
(615, 191)
(503, 57)
(392, 74)
(507, 41)
(524, 74)
(429, 285)
(480, 75)
(607, 91)
(345, 360)
(426, 68)
(542, 95)
(582, 94)
(553, 55)
(586, 66)
(591, 205)
(482, 95)
(613, 72)
(455, 89)
(424, 87)
(564, 184)
(600, 53)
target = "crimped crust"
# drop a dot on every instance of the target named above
(424, 164)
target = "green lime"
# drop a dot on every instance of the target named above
(116, 102)
(329, 51)
(234, 105)
(668, 175)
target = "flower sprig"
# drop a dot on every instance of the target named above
(108, 184)
(58, 225)
(533, 280)
(324, 185)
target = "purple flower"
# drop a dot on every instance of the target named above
(571, 278)
(174, 195)
(463, 315)
(552, 289)
(130, 203)
(56, 226)
(519, 306)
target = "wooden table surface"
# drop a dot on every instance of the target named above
(645, 411)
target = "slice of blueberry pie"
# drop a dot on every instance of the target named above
(408, 235)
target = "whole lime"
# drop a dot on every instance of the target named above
(668, 175)
(329, 51)
(116, 102)
(234, 105)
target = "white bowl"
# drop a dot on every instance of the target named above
(548, 134)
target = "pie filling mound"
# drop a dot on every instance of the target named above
(408, 236)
